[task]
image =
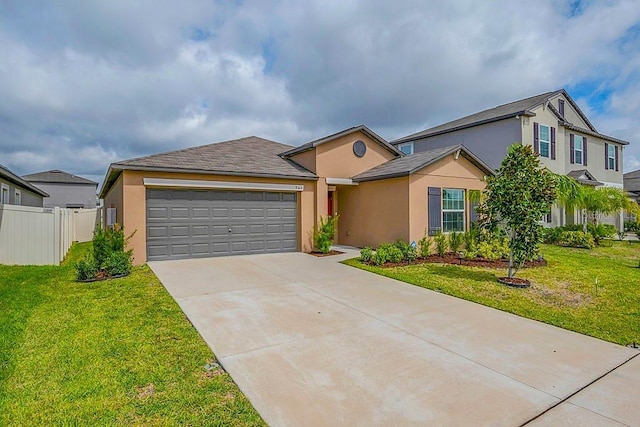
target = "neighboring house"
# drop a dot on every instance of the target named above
(65, 190)
(632, 184)
(253, 195)
(553, 124)
(16, 191)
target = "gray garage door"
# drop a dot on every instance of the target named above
(205, 223)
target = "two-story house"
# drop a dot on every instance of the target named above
(553, 124)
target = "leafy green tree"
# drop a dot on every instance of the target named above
(515, 199)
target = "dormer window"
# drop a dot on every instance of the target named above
(561, 107)
(406, 148)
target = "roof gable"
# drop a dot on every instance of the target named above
(407, 165)
(362, 128)
(583, 176)
(57, 177)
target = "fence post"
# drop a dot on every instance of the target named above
(56, 236)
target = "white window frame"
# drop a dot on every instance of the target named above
(611, 157)
(4, 189)
(17, 197)
(463, 210)
(577, 138)
(544, 141)
(405, 145)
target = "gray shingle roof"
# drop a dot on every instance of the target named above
(632, 181)
(583, 176)
(407, 165)
(245, 156)
(57, 177)
(362, 128)
(12, 177)
(521, 107)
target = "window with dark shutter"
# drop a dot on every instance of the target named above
(616, 148)
(584, 150)
(435, 210)
(553, 143)
(561, 107)
(572, 149)
(606, 156)
(536, 139)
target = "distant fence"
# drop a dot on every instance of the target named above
(42, 236)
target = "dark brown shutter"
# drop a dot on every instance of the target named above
(435, 210)
(561, 107)
(606, 156)
(536, 139)
(572, 149)
(553, 143)
(584, 150)
(616, 148)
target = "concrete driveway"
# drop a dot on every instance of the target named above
(314, 342)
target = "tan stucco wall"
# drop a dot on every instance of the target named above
(374, 212)
(335, 159)
(134, 205)
(113, 199)
(446, 173)
(306, 159)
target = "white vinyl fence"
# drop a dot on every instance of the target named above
(42, 236)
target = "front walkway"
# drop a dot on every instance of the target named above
(314, 342)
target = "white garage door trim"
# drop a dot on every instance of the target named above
(224, 185)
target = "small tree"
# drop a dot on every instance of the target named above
(515, 199)
(324, 233)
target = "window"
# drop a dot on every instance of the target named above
(578, 147)
(545, 140)
(452, 210)
(611, 156)
(406, 148)
(17, 200)
(561, 107)
(4, 195)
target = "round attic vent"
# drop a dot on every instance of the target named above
(359, 148)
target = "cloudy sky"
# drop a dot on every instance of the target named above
(83, 84)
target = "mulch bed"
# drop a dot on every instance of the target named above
(474, 262)
(320, 254)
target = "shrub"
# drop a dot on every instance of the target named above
(441, 244)
(576, 239)
(108, 255)
(380, 256)
(632, 226)
(470, 238)
(86, 268)
(408, 250)
(455, 241)
(324, 233)
(424, 246)
(366, 254)
(493, 249)
(118, 263)
(551, 236)
(392, 253)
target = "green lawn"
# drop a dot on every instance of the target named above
(563, 294)
(106, 353)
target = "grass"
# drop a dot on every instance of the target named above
(117, 352)
(563, 294)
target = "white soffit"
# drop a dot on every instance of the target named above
(340, 181)
(223, 185)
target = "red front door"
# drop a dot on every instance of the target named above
(330, 203)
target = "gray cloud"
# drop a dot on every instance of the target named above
(84, 84)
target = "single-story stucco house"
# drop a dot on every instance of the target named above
(252, 195)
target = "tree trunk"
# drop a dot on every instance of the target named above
(510, 270)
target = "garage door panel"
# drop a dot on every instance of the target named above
(196, 223)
